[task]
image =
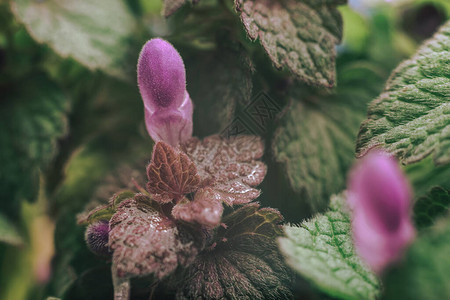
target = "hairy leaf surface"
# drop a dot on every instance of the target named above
(298, 35)
(411, 118)
(321, 250)
(230, 166)
(146, 242)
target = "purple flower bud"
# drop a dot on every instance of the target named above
(162, 83)
(161, 76)
(379, 195)
(97, 236)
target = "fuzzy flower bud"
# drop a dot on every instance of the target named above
(162, 83)
(380, 196)
(97, 236)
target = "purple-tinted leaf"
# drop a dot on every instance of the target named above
(205, 209)
(147, 242)
(171, 174)
(229, 166)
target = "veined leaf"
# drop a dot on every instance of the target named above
(95, 33)
(321, 250)
(243, 261)
(315, 142)
(298, 35)
(411, 118)
(428, 207)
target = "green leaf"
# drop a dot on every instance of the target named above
(427, 208)
(425, 270)
(32, 119)
(9, 233)
(242, 262)
(315, 142)
(298, 35)
(321, 250)
(424, 175)
(95, 33)
(411, 118)
(229, 84)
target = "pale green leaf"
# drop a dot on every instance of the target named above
(411, 118)
(95, 33)
(321, 250)
(298, 35)
(424, 272)
(9, 233)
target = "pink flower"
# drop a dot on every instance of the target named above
(380, 198)
(162, 83)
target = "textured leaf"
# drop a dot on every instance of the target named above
(411, 117)
(321, 250)
(315, 142)
(95, 33)
(427, 208)
(9, 233)
(229, 166)
(243, 261)
(424, 272)
(146, 242)
(229, 85)
(299, 35)
(171, 174)
(424, 175)
(32, 118)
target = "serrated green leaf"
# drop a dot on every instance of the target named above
(321, 250)
(425, 270)
(427, 208)
(9, 233)
(95, 33)
(411, 118)
(298, 35)
(315, 142)
(32, 119)
(242, 262)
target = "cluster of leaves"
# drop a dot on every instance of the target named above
(175, 222)
(69, 132)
